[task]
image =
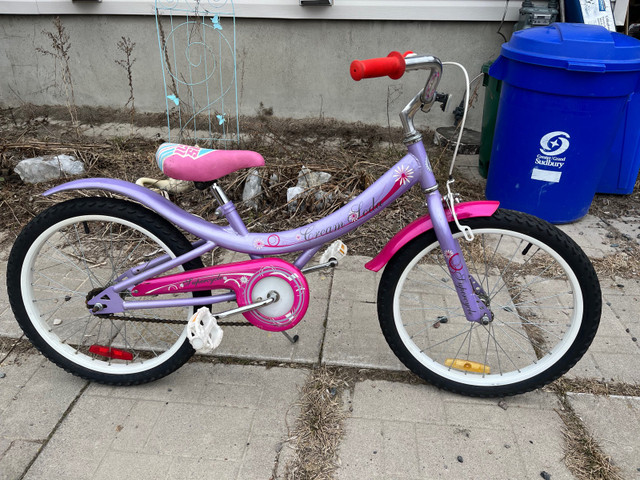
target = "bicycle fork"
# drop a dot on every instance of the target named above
(468, 289)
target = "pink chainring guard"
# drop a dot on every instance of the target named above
(248, 280)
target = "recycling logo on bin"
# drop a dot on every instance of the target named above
(549, 162)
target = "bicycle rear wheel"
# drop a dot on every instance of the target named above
(68, 254)
(541, 288)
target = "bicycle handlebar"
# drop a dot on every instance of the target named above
(392, 65)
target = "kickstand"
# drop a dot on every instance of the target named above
(292, 340)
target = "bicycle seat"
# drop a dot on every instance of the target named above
(195, 164)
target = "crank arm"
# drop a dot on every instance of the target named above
(332, 263)
(271, 298)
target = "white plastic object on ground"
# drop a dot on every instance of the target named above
(42, 169)
(203, 331)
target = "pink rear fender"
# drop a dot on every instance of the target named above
(424, 224)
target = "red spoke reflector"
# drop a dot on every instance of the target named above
(114, 353)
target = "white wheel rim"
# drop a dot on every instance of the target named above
(67, 351)
(493, 380)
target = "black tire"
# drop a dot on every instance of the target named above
(543, 291)
(82, 245)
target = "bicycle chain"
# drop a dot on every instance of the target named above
(173, 322)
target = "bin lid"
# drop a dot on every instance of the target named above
(575, 46)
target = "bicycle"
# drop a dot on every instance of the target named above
(108, 289)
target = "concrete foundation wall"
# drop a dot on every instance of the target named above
(297, 68)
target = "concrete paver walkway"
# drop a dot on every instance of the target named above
(233, 420)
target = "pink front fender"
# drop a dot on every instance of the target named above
(423, 224)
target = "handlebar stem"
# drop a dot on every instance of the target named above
(425, 99)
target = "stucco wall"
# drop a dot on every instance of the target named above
(299, 68)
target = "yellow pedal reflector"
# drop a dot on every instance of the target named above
(467, 365)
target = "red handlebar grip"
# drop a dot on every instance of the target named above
(392, 65)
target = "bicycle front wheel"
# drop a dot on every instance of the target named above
(71, 252)
(540, 286)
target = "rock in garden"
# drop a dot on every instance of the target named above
(43, 169)
(252, 189)
(292, 193)
(309, 179)
(322, 199)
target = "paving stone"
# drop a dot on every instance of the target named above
(629, 226)
(377, 449)
(604, 344)
(415, 431)
(618, 367)
(587, 367)
(625, 303)
(16, 457)
(611, 343)
(6, 249)
(475, 414)
(590, 233)
(619, 286)
(442, 444)
(178, 425)
(205, 418)
(184, 385)
(254, 464)
(614, 422)
(18, 369)
(9, 328)
(202, 469)
(133, 466)
(354, 263)
(398, 402)
(535, 399)
(610, 324)
(134, 431)
(44, 393)
(540, 440)
(8, 325)
(353, 337)
(356, 285)
(82, 440)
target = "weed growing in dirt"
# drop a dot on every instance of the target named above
(60, 46)
(319, 428)
(126, 46)
(583, 456)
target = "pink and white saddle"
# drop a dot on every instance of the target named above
(194, 164)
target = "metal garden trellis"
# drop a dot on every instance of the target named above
(199, 70)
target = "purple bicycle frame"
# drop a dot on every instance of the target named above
(411, 169)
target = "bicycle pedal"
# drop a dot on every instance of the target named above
(203, 331)
(337, 250)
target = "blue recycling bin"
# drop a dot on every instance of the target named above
(620, 174)
(564, 95)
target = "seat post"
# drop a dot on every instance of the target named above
(219, 194)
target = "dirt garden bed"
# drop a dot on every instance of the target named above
(354, 154)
